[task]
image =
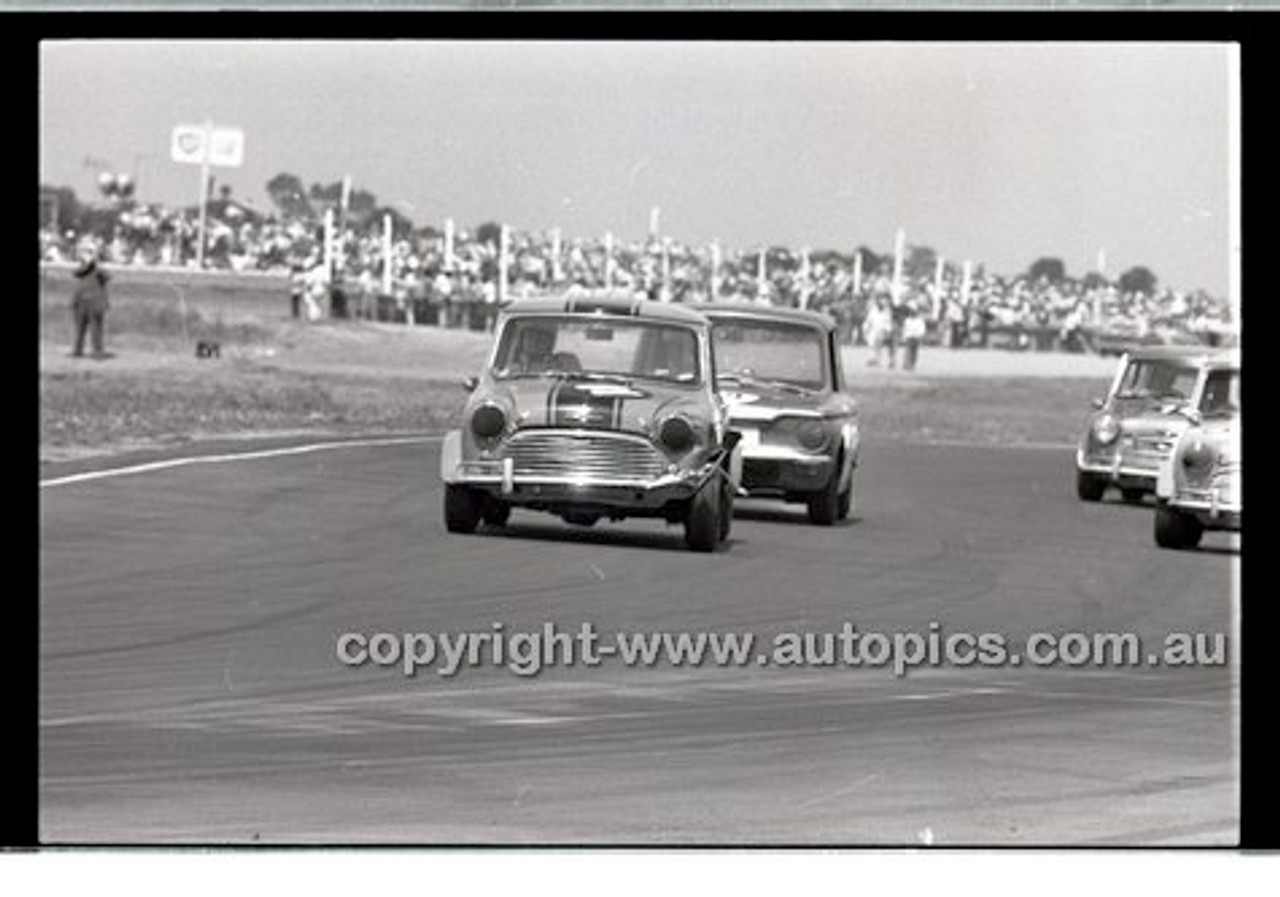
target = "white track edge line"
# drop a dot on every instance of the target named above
(233, 456)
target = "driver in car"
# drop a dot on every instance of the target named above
(533, 350)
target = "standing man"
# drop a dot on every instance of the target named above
(297, 288)
(879, 330)
(913, 333)
(89, 303)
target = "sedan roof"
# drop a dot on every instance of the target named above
(1193, 354)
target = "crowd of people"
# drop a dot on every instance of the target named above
(453, 279)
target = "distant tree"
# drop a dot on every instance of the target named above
(70, 211)
(1051, 269)
(401, 227)
(323, 195)
(779, 257)
(1093, 281)
(920, 261)
(490, 232)
(361, 203)
(871, 262)
(830, 257)
(1138, 279)
(289, 196)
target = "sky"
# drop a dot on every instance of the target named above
(999, 153)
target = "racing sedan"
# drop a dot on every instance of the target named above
(780, 372)
(595, 407)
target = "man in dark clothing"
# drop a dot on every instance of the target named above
(89, 304)
(297, 288)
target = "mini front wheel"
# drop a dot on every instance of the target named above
(462, 509)
(702, 526)
(496, 512)
(1089, 486)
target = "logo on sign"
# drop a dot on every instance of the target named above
(188, 144)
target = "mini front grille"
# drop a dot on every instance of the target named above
(1144, 452)
(584, 455)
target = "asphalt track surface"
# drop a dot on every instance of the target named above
(190, 690)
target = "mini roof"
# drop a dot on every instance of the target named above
(605, 303)
(764, 312)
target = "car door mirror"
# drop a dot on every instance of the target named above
(470, 383)
(1097, 404)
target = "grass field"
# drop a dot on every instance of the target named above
(277, 376)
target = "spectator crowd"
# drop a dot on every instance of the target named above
(452, 279)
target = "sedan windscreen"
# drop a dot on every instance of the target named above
(771, 351)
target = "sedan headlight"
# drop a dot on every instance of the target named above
(1106, 427)
(812, 435)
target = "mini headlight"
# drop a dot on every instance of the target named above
(488, 421)
(812, 435)
(676, 434)
(1106, 428)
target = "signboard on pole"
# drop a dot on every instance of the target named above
(198, 144)
(205, 145)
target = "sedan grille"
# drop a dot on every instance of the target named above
(584, 455)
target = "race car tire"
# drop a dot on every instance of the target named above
(1174, 529)
(1133, 496)
(496, 512)
(462, 509)
(1089, 487)
(846, 502)
(726, 508)
(702, 525)
(824, 506)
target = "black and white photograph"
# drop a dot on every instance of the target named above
(581, 442)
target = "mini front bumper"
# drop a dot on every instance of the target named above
(501, 481)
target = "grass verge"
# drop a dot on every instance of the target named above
(280, 376)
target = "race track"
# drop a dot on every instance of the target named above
(190, 690)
